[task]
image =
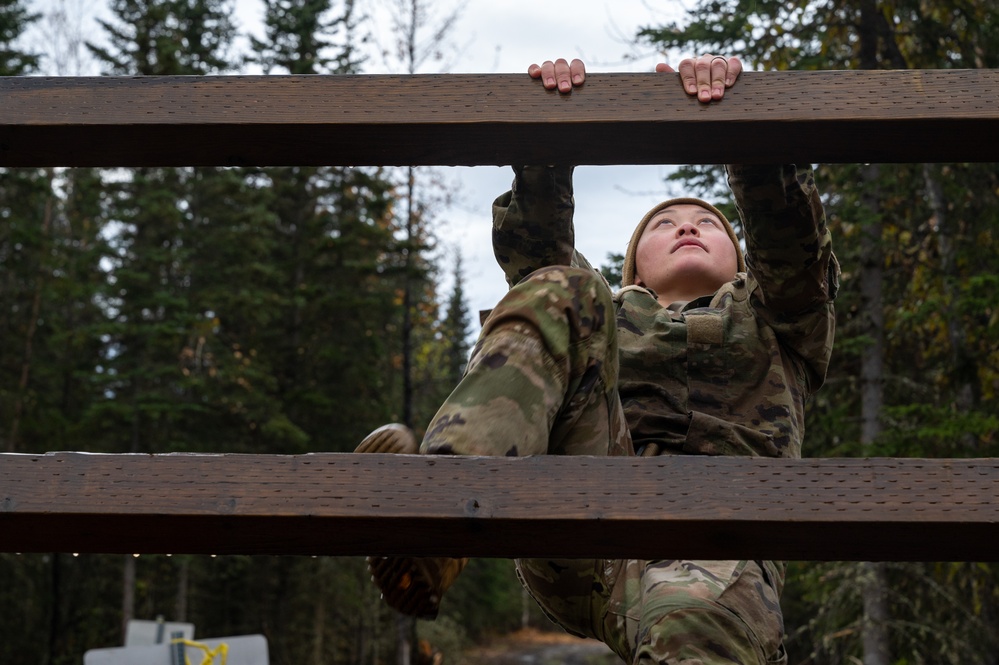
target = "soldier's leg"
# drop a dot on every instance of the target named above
(411, 585)
(542, 378)
(576, 594)
(708, 613)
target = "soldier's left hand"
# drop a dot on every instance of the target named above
(559, 75)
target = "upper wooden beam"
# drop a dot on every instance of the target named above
(346, 504)
(830, 116)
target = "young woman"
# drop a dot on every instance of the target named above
(701, 352)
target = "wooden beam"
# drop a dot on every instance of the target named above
(831, 116)
(346, 504)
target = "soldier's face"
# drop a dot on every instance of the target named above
(685, 250)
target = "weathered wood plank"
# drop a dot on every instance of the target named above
(344, 504)
(832, 116)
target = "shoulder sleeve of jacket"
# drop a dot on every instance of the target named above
(532, 223)
(793, 273)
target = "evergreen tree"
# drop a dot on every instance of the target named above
(27, 202)
(14, 20)
(50, 252)
(150, 400)
(62, 341)
(328, 347)
(419, 36)
(149, 403)
(457, 327)
(167, 37)
(306, 37)
(25, 205)
(304, 337)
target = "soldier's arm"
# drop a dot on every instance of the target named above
(794, 275)
(532, 223)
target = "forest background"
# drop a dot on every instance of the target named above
(289, 310)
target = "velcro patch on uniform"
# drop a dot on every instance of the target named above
(705, 328)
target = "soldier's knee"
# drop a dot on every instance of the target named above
(699, 634)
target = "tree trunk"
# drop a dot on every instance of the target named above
(873, 579)
(54, 608)
(127, 595)
(963, 370)
(319, 619)
(872, 308)
(404, 646)
(407, 301)
(183, 574)
(875, 40)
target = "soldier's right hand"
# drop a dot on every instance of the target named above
(706, 76)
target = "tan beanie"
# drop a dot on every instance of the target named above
(628, 272)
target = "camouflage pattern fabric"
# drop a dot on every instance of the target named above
(562, 368)
(665, 611)
(542, 378)
(722, 375)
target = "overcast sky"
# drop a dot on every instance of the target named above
(500, 36)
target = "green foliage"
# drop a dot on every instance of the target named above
(303, 37)
(613, 269)
(14, 19)
(944, 430)
(167, 37)
(486, 599)
(217, 310)
(456, 327)
(25, 245)
(57, 350)
(823, 605)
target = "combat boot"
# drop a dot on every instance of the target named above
(411, 585)
(392, 438)
(415, 585)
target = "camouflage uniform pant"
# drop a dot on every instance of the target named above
(542, 379)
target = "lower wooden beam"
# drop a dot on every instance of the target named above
(346, 504)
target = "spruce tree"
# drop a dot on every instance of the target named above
(25, 198)
(328, 346)
(457, 327)
(148, 405)
(15, 18)
(46, 291)
(149, 402)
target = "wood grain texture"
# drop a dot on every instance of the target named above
(346, 504)
(768, 117)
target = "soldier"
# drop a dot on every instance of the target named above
(701, 352)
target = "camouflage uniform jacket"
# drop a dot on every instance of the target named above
(726, 374)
